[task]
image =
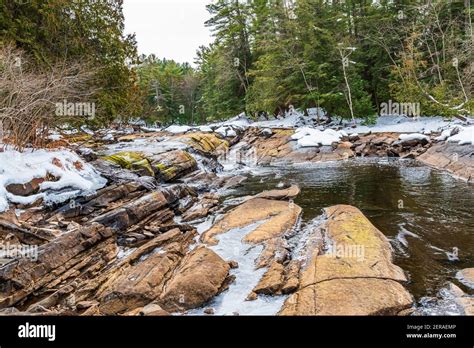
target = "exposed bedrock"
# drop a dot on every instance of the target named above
(267, 222)
(276, 217)
(166, 166)
(281, 148)
(355, 276)
(164, 272)
(71, 255)
(119, 251)
(454, 158)
(81, 253)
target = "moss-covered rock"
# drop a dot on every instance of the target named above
(206, 143)
(172, 165)
(135, 161)
(355, 276)
(166, 166)
(78, 138)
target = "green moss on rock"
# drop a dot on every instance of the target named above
(135, 161)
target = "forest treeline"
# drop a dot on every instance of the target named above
(347, 57)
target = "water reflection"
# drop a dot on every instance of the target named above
(425, 213)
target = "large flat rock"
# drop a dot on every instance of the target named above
(454, 158)
(355, 276)
(359, 250)
(364, 296)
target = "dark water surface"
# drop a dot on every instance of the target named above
(424, 212)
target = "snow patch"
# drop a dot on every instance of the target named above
(205, 129)
(55, 137)
(464, 137)
(309, 137)
(444, 135)
(74, 176)
(413, 136)
(177, 129)
(226, 131)
(108, 137)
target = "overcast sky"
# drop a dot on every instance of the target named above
(168, 28)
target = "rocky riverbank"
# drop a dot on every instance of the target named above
(154, 239)
(456, 159)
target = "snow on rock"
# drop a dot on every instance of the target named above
(74, 177)
(309, 137)
(444, 135)
(413, 136)
(404, 124)
(70, 131)
(177, 129)
(385, 123)
(205, 129)
(343, 133)
(55, 137)
(293, 119)
(302, 132)
(231, 133)
(87, 130)
(151, 129)
(317, 119)
(108, 137)
(240, 121)
(226, 131)
(464, 137)
(222, 131)
(267, 132)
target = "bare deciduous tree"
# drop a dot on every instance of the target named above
(28, 96)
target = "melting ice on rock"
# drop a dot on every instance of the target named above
(233, 300)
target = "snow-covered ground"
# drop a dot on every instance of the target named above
(309, 132)
(403, 124)
(72, 176)
(296, 119)
(307, 137)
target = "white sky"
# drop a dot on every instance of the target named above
(172, 29)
